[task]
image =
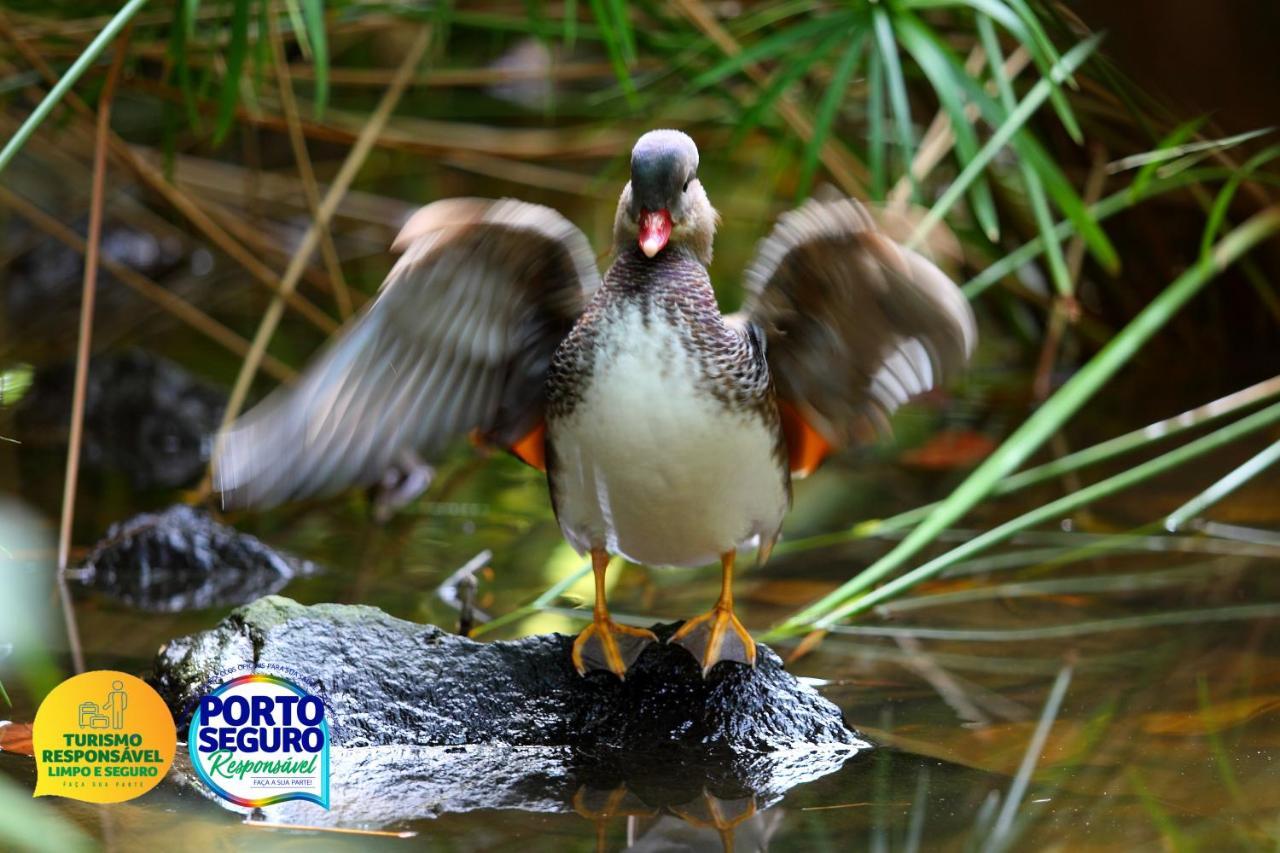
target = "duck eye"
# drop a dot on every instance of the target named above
(687, 181)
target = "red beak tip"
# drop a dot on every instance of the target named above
(655, 230)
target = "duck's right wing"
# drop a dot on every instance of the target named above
(458, 339)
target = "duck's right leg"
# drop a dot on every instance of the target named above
(604, 644)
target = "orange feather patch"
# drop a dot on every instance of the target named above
(531, 449)
(806, 448)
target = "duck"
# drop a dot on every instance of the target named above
(669, 433)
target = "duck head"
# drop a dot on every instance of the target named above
(664, 205)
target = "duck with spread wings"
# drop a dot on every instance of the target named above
(669, 433)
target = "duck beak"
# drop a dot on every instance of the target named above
(655, 230)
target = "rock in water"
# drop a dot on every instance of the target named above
(406, 699)
(181, 559)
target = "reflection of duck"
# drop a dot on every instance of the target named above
(706, 823)
(669, 433)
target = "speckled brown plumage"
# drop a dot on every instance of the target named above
(675, 286)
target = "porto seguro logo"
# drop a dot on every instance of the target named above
(260, 739)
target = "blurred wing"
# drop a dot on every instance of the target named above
(458, 339)
(855, 323)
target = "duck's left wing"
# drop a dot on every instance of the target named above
(855, 324)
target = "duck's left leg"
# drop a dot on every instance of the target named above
(718, 635)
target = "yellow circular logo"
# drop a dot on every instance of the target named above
(102, 737)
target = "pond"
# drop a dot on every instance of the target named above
(1158, 732)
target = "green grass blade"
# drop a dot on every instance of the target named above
(1109, 449)
(1046, 420)
(1057, 508)
(1222, 203)
(1086, 585)
(313, 20)
(1055, 182)
(1220, 756)
(783, 79)
(1173, 147)
(540, 603)
(1032, 38)
(788, 41)
(73, 74)
(1098, 212)
(827, 109)
(1035, 189)
(1015, 120)
(613, 43)
(1177, 136)
(298, 27)
(1003, 830)
(621, 23)
(1202, 616)
(237, 50)
(875, 126)
(1222, 488)
(929, 55)
(897, 87)
(1045, 57)
(570, 34)
(184, 25)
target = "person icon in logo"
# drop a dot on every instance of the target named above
(117, 701)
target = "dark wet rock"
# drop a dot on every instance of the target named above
(181, 559)
(392, 682)
(144, 415)
(451, 724)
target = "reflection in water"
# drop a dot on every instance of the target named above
(706, 804)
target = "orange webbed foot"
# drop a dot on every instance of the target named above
(604, 644)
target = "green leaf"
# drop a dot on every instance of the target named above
(1221, 204)
(570, 23)
(827, 110)
(34, 826)
(229, 94)
(64, 84)
(897, 88)
(919, 42)
(299, 27)
(784, 42)
(15, 382)
(875, 126)
(1002, 136)
(184, 24)
(783, 79)
(313, 18)
(622, 26)
(1025, 27)
(1152, 158)
(1035, 189)
(613, 42)
(1269, 456)
(1102, 210)
(261, 47)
